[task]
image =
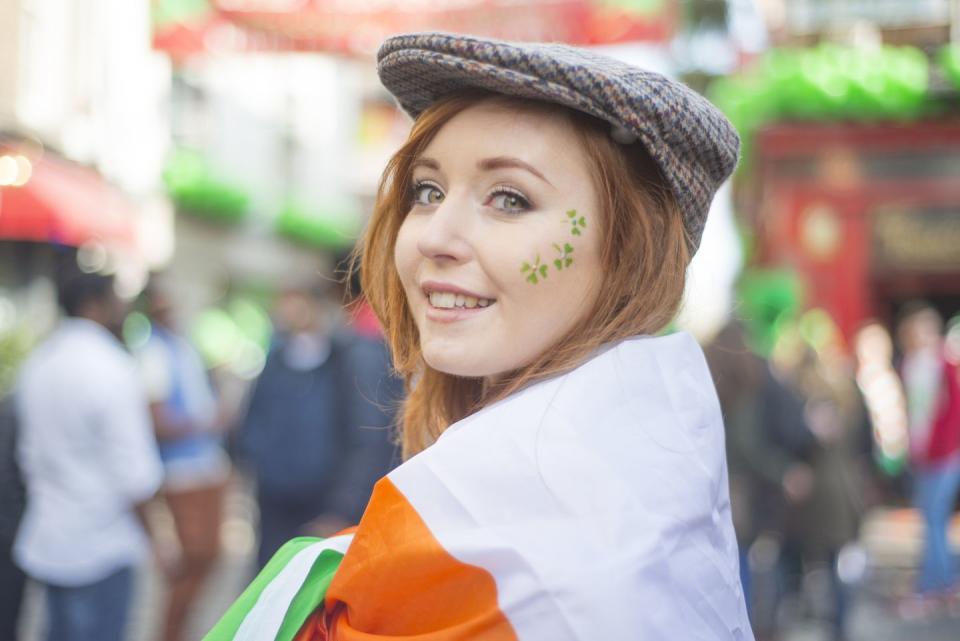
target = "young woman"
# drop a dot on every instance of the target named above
(565, 474)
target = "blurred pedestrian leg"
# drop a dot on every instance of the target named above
(189, 434)
(936, 493)
(197, 514)
(94, 612)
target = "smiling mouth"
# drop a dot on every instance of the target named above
(450, 300)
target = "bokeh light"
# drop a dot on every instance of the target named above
(92, 257)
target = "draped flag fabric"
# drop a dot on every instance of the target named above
(282, 597)
(593, 505)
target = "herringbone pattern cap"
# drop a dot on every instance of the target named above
(695, 146)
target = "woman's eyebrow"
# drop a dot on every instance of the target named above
(429, 163)
(508, 162)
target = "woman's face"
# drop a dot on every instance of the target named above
(499, 254)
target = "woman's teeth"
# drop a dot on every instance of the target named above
(449, 300)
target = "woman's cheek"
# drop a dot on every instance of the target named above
(405, 252)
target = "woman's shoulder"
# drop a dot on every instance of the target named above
(592, 467)
(639, 421)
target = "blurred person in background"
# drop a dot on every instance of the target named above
(827, 520)
(90, 464)
(196, 468)
(932, 385)
(314, 435)
(767, 442)
(374, 395)
(886, 403)
(12, 497)
(952, 339)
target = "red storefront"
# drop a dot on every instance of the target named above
(867, 214)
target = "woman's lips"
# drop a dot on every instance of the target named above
(441, 315)
(451, 300)
(447, 302)
(430, 286)
(449, 307)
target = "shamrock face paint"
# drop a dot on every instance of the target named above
(492, 277)
(536, 271)
(578, 222)
(565, 259)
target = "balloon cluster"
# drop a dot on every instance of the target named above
(826, 82)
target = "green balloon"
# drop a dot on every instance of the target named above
(949, 59)
(194, 189)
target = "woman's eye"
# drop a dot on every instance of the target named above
(509, 201)
(426, 194)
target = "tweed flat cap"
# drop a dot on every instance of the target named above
(694, 145)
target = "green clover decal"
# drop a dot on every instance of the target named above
(564, 259)
(577, 224)
(534, 272)
(537, 270)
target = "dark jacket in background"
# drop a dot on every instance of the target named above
(322, 437)
(12, 503)
(766, 433)
(372, 398)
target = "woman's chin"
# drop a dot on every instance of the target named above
(455, 369)
(462, 366)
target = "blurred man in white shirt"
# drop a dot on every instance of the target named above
(90, 463)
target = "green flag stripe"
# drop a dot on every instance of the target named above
(311, 594)
(227, 627)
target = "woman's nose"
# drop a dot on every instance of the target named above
(444, 236)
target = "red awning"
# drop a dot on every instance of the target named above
(61, 202)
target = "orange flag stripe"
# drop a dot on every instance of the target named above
(397, 580)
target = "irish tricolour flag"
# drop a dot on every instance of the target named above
(591, 506)
(277, 605)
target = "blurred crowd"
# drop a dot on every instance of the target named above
(815, 437)
(98, 432)
(817, 434)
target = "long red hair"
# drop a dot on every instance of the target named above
(644, 254)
